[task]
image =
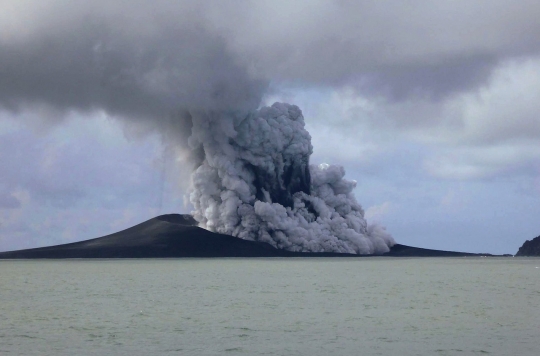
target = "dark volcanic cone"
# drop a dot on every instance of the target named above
(164, 236)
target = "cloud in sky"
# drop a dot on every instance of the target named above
(472, 134)
(144, 58)
(443, 93)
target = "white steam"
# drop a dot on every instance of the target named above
(255, 182)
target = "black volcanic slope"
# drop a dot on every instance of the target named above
(408, 251)
(176, 235)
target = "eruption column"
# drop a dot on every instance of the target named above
(255, 182)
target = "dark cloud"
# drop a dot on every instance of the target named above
(141, 59)
(432, 81)
(398, 49)
(100, 59)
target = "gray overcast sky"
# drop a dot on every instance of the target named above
(431, 106)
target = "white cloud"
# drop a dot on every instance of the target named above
(496, 129)
(377, 213)
(505, 109)
(484, 162)
(477, 134)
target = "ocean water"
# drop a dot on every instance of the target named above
(366, 306)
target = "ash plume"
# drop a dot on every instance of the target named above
(255, 182)
(183, 71)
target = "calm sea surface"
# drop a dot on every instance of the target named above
(370, 306)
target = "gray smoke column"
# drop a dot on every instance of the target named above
(255, 182)
(195, 71)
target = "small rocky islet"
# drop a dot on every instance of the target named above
(530, 248)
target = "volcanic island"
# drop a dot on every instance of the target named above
(178, 236)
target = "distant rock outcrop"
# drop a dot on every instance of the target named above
(530, 248)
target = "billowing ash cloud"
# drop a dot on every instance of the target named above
(140, 63)
(255, 182)
(141, 59)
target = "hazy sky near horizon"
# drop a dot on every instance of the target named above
(433, 107)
